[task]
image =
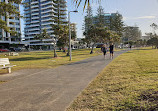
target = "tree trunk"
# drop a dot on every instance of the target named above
(92, 49)
(68, 53)
(55, 54)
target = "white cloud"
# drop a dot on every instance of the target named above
(137, 18)
(146, 17)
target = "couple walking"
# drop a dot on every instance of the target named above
(111, 49)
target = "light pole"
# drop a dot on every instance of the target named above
(70, 33)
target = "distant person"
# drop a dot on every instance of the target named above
(111, 48)
(104, 50)
(130, 47)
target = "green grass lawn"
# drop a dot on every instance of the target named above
(44, 59)
(129, 83)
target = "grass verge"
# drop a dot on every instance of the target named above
(44, 59)
(129, 83)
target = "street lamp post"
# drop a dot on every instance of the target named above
(70, 33)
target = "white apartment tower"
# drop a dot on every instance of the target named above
(39, 15)
(13, 22)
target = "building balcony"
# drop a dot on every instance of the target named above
(35, 17)
(50, 31)
(30, 27)
(49, 15)
(34, 6)
(52, 35)
(33, 29)
(36, 21)
(50, 6)
(25, 1)
(49, 23)
(34, 25)
(27, 19)
(46, 19)
(14, 26)
(27, 23)
(34, 2)
(62, 17)
(26, 12)
(27, 16)
(65, 13)
(48, 11)
(30, 33)
(26, 8)
(13, 20)
(35, 13)
(46, 27)
(34, 9)
(61, 8)
(47, 3)
(30, 37)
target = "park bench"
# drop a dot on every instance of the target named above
(5, 64)
(13, 54)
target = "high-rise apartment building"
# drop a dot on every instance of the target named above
(106, 17)
(13, 22)
(73, 27)
(40, 14)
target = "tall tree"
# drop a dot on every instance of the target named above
(86, 2)
(131, 33)
(153, 41)
(7, 9)
(154, 27)
(43, 35)
(92, 29)
(59, 19)
(88, 23)
(63, 39)
(100, 17)
(73, 35)
(117, 23)
(60, 12)
(153, 36)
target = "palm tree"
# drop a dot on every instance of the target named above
(86, 2)
(43, 35)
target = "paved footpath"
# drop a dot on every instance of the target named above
(49, 89)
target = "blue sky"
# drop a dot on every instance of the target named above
(135, 12)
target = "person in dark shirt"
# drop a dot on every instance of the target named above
(111, 48)
(104, 50)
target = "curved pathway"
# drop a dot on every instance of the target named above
(49, 89)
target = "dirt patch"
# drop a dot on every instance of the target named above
(147, 101)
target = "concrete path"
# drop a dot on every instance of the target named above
(49, 89)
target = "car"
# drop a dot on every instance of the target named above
(12, 49)
(4, 50)
(99, 45)
(15, 49)
(18, 49)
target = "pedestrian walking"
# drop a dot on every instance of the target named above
(104, 50)
(111, 48)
